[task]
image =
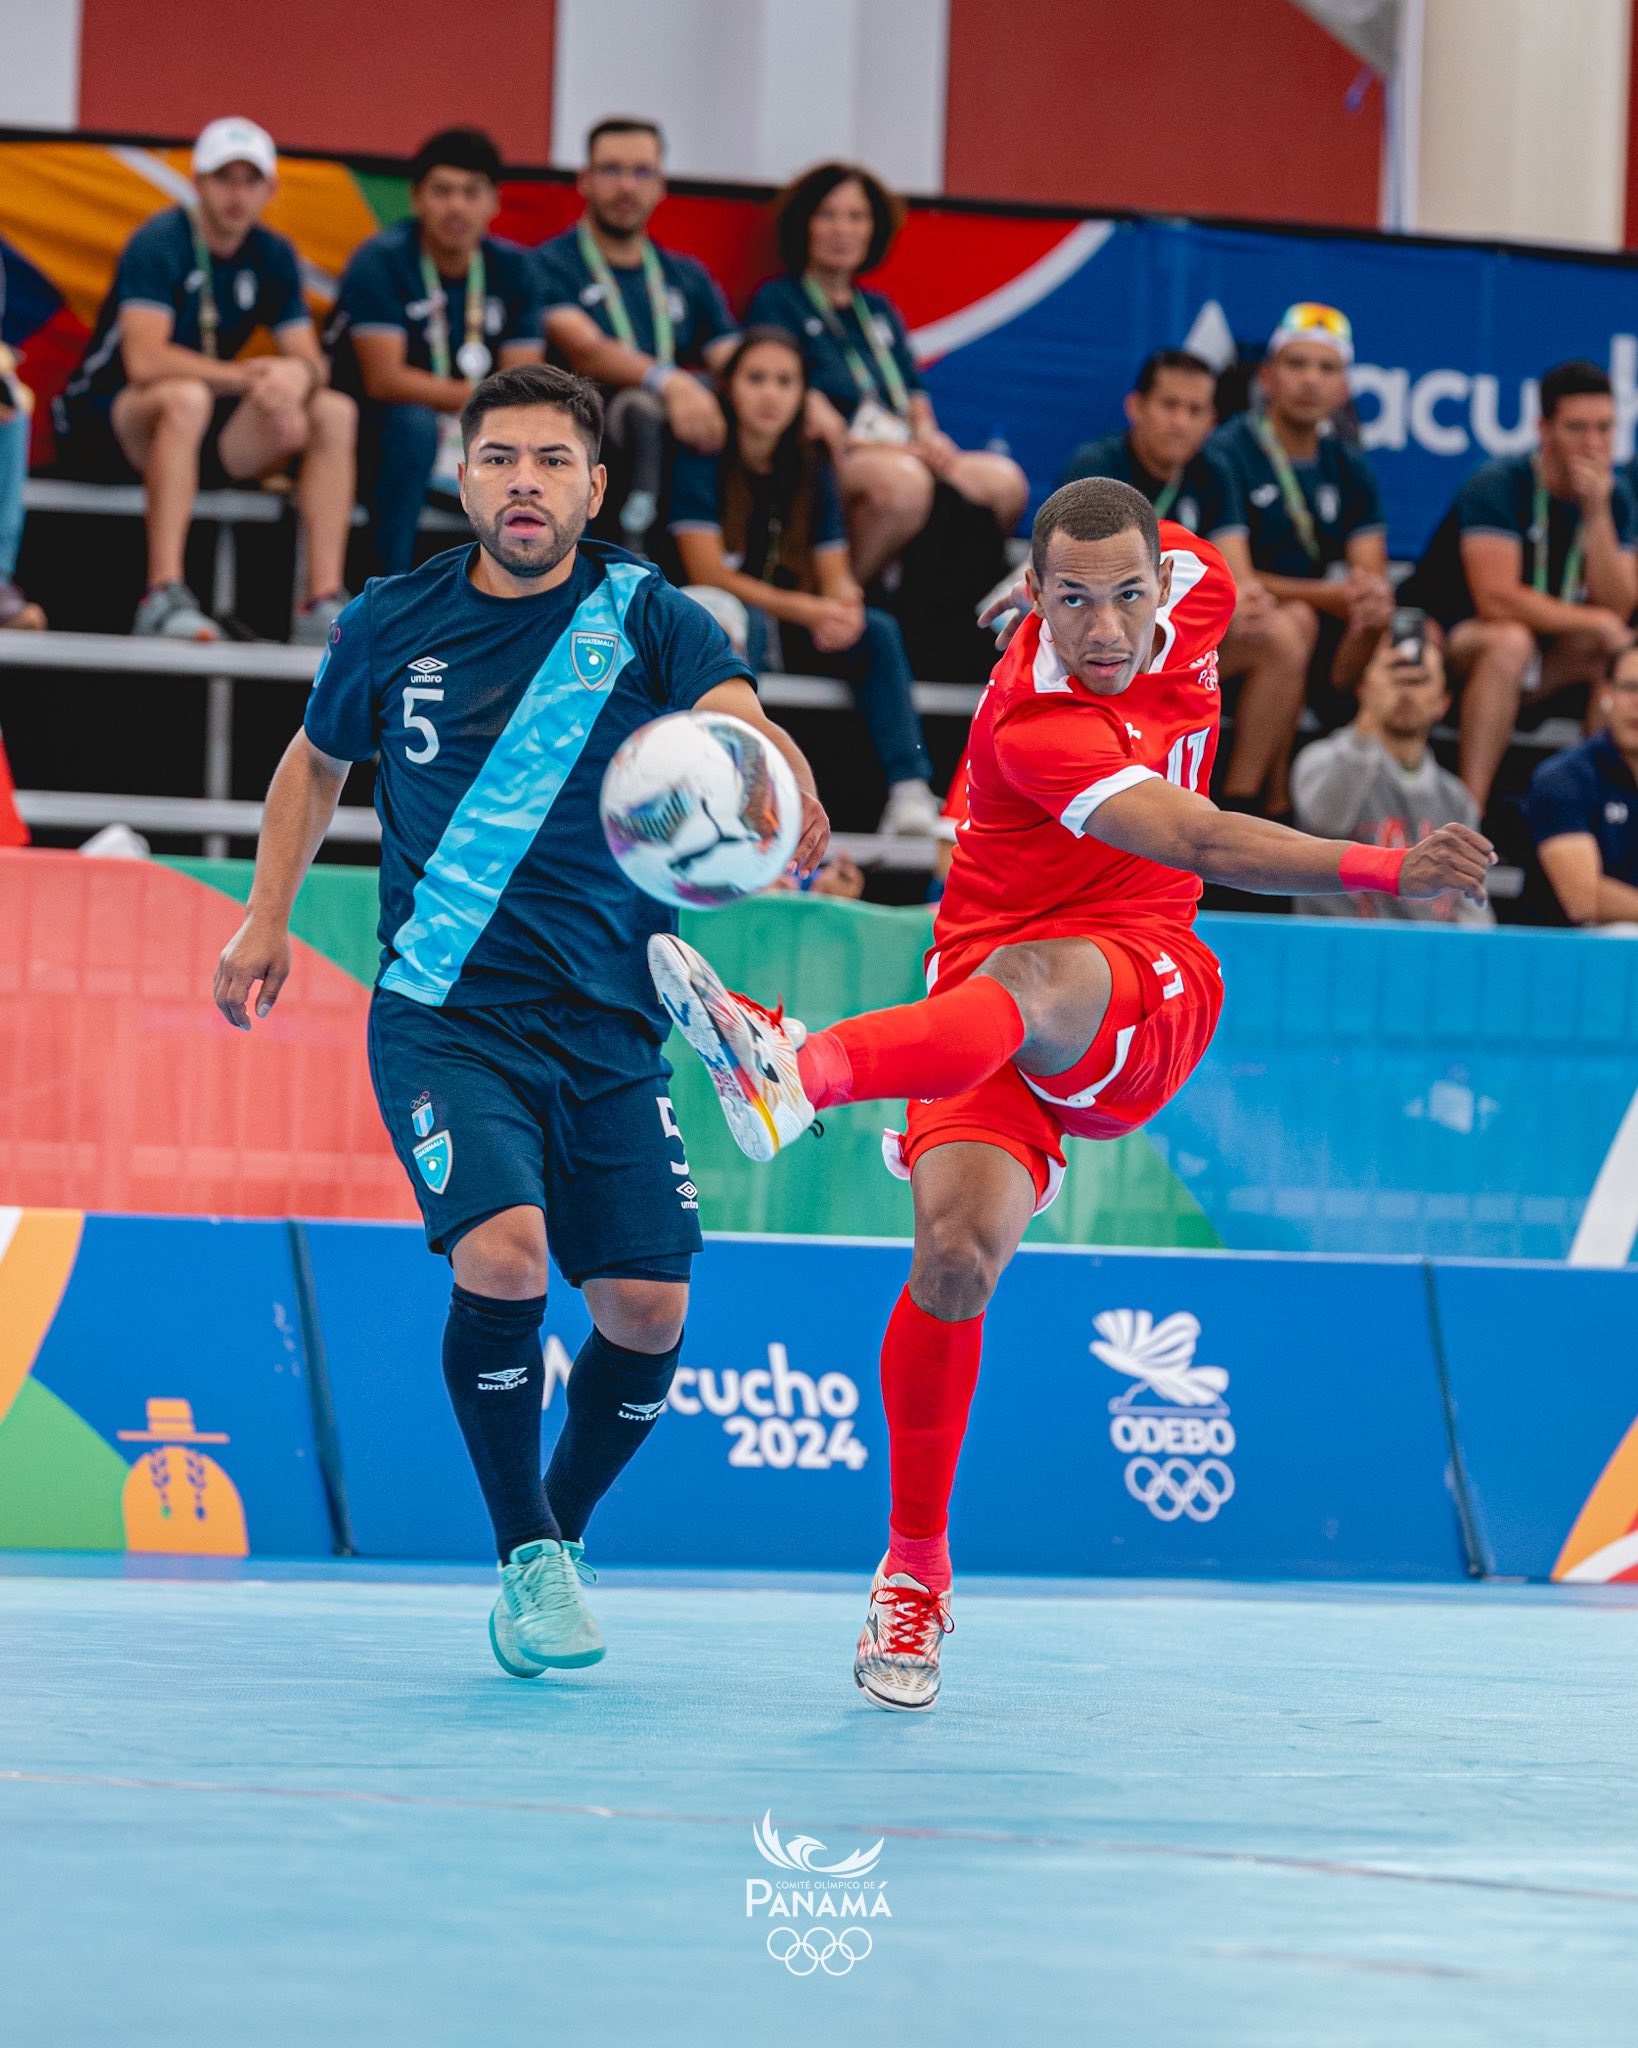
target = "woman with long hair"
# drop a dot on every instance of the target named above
(867, 403)
(760, 525)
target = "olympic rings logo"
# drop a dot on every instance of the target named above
(1177, 1487)
(802, 1954)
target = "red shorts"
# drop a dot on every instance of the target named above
(1167, 996)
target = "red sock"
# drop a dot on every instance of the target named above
(929, 1370)
(924, 1050)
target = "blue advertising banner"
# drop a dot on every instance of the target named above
(1137, 1413)
(1540, 1367)
(1450, 340)
(177, 1344)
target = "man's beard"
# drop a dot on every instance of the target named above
(492, 539)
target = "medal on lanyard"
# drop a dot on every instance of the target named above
(1296, 505)
(659, 298)
(209, 319)
(888, 378)
(472, 358)
(1569, 585)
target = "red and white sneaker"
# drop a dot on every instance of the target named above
(749, 1052)
(896, 1663)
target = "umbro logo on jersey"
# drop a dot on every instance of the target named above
(426, 665)
(504, 1381)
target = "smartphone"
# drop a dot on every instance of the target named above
(1408, 635)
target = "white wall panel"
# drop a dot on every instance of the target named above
(39, 63)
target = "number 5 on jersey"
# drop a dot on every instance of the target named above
(415, 721)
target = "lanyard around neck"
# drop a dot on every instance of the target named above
(477, 303)
(889, 379)
(210, 319)
(1569, 584)
(1296, 505)
(659, 298)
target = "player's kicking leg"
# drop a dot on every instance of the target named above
(972, 1202)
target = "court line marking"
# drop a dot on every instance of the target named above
(1317, 1866)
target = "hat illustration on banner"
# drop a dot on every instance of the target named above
(175, 1498)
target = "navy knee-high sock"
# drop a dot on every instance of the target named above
(614, 1398)
(496, 1378)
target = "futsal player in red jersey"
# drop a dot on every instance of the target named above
(1069, 994)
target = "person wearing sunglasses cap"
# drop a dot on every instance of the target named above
(167, 393)
(1318, 544)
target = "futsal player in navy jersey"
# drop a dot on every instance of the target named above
(514, 1037)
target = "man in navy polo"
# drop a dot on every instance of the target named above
(1583, 811)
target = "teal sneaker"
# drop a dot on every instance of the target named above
(541, 1621)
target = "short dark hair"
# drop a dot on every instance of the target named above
(623, 124)
(457, 149)
(1093, 508)
(801, 200)
(1572, 380)
(538, 384)
(1171, 359)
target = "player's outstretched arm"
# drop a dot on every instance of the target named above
(1181, 830)
(739, 700)
(301, 801)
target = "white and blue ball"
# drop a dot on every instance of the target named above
(699, 810)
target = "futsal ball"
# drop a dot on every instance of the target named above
(699, 810)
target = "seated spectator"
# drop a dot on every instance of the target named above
(16, 404)
(165, 394)
(1531, 572)
(1583, 811)
(1318, 544)
(426, 310)
(866, 402)
(1377, 781)
(761, 523)
(637, 319)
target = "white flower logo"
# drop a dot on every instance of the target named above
(1159, 1355)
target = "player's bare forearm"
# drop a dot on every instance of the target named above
(1324, 597)
(739, 700)
(1181, 830)
(301, 801)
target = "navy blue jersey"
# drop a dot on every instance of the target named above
(699, 312)
(259, 285)
(1339, 486)
(1207, 500)
(1589, 788)
(494, 719)
(383, 292)
(781, 302)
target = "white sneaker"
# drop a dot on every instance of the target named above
(913, 812)
(749, 1052)
(172, 612)
(896, 1664)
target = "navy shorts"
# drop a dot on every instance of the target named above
(542, 1105)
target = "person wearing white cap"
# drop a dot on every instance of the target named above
(167, 394)
(1318, 545)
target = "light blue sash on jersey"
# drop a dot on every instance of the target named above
(496, 821)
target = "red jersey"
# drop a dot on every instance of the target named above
(1045, 752)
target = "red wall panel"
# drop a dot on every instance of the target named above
(1173, 106)
(363, 76)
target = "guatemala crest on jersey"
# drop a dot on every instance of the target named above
(434, 1159)
(592, 656)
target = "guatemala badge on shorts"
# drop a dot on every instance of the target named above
(592, 656)
(421, 1118)
(434, 1157)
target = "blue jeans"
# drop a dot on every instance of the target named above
(398, 445)
(13, 469)
(878, 671)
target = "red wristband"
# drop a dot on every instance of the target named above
(1372, 867)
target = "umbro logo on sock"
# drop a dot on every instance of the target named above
(502, 1382)
(640, 1411)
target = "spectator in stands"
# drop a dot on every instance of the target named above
(866, 402)
(1377, 781)
(427, 308)
(761, 525)
(1532, 570)
(16, 404)
(636, 318)
(1583, 810)
(1318, 543)
(166, 394)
